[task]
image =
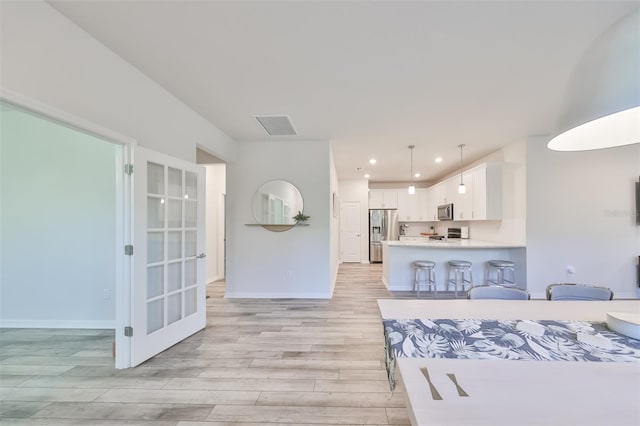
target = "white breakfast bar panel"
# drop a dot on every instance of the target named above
(397, 257)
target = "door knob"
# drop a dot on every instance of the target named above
(201, 256)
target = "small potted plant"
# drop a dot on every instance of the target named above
(300, 217)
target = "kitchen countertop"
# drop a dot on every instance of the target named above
(450, 244)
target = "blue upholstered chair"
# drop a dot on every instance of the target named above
(497, 292)
(570, 291)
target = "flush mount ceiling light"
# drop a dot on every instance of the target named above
(276, 125)
(373, 161)
(461, 188)
(412, 187)
(602, 101)
(438, 160)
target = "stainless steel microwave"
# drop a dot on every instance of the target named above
(445, 212)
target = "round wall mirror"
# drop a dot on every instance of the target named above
(276, 202)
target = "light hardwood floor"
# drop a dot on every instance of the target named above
(258, 362)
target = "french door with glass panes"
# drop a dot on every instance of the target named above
(168, 290)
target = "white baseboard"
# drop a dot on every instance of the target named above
(396, 287)
(88, 324)
(263, 295)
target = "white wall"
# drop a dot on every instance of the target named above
(357, 190)
(290, 264)
(47, 58)
(216, 189)
(52, 66)
(580, 212)
(58, 224)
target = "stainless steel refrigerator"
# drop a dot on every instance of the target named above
(383, 226)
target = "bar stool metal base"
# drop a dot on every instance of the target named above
(428, 267)
(501, 268)
(459, 269)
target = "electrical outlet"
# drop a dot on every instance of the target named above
(571, 269)
(106, 294)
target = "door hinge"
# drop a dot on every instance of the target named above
(128, 250)
(128, 169)
(128, 331)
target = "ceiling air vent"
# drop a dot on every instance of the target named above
(276, 125)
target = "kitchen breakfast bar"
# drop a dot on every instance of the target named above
(398, 256)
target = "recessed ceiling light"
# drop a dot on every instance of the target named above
(372, 161)
(417, 175)
(367, 175)
(438, 159)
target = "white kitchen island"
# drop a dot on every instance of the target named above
(397, 257)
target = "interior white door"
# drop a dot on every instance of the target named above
(350, 234)
(168, 298)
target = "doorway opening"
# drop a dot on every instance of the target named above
(216, 171)
(60, 225)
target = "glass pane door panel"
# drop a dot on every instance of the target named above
(190, 302)
(190, 268)
(191, 185)
(174, 276)
(155, 247)
(174, 308)
(190, 243)
(155, 281)
(175, 214)
(155, 212)
(155, 178)
(175, 182)
(191, 214)
(175, 245)
(155, 315)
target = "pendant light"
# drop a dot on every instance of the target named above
(412, 187)
(461, 188)
(602, 100)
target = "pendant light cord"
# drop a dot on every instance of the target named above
(461, 146)
(411, 176)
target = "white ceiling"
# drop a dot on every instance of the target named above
(371, 77)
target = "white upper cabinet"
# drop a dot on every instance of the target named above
(383, 199)
(412, 208)
(423, 205)
(434, 199)
(450, 191)
(487, 192)
(463, 208)
(481, 201)
(404, 206)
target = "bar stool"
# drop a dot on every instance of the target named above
(459, 268)
(500, 267)
(427, 266)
